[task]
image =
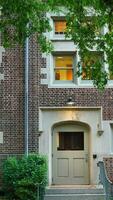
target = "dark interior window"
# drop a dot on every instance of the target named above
(71, 141)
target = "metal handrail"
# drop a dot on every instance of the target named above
(104, 179)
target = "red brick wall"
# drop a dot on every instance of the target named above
(11, 106)
(90, 97)
(12, 99)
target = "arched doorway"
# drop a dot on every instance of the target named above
(70, 156)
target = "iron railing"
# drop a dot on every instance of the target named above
(107, 184)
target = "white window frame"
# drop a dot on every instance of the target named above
(55, 38)
(59, 82)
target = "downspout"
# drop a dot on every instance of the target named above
(26, 103)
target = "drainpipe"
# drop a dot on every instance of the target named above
(26, 105)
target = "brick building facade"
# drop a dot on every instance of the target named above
(48, 102)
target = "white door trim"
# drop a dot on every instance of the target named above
(49, 116)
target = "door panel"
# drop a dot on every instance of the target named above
(78, 167)
(70, 147)
(61, 170)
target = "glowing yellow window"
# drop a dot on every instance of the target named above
(88, 62)
(60, 26)
(63, 69)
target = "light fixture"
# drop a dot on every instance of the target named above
(70, 102)
(40, 133)
(60, 57)
(100, 132)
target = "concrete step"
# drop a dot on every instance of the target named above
(74, 194)
(75, 197)
(74, 191)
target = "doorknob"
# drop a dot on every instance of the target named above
(86, 157)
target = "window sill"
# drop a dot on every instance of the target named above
(70, 85)
(60, 38)
(73, 85)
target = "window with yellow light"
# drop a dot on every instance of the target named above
(63, 68)
(88, 62)
(59, 26)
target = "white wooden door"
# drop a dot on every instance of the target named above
(70, 155)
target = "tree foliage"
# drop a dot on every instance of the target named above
(86, 20)
(20, 19)
(25, 178)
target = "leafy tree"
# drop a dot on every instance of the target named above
(90, 26)
(20, 19)
(85, 22)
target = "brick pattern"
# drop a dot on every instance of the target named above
(34, 76)
(108, 163)
(12, 98)
(87, 97)
(11, 102)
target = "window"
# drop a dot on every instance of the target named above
(64, 63)
(71, 141)
(89, 23)
(60, 26)
(88, 62)
(63, 68)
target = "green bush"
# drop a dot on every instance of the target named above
(25, 178)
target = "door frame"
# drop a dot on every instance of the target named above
(90, 117)
(83, 127)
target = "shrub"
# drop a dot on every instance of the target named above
(23, 178)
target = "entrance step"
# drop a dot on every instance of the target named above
(74, 194)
